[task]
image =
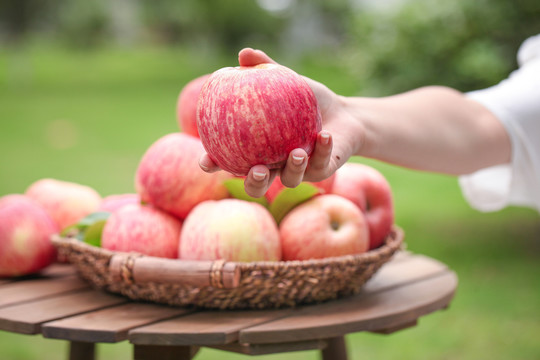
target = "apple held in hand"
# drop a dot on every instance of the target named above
(230, 229)
(66, 202)
(143, 229)
(370, 191)
(170, 178)
(186, 106)
(25, 231)
(325, 226)
(256, 115)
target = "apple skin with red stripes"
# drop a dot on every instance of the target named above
(25, 231)
(169, 176)
(324, 226)
(186, 105)
(256, 115)
(230, 229)
(370, 191)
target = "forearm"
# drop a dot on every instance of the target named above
(432, 129)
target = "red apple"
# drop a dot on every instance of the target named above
(25, 231)
(111, 203)
(170, 178)
(370, 191)
(256, 115)
(143, 229)
(230, 229)
(324, 226)
(324, 187)
(66, 202)
(186, 106)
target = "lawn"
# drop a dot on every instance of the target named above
(89, 116)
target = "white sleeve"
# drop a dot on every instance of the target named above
(516, 103)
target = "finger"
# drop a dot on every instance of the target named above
(258, 181)
(293, 172)
(251, 57)
(207, 164)
(320, 158)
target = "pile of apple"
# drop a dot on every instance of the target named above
(240, 117)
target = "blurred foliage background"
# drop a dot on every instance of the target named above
(87, 85)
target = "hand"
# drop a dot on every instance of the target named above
(338, 140)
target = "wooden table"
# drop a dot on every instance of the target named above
(59, 305)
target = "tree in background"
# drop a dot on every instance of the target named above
(383, 46)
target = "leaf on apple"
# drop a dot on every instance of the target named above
(89, 228)
(235, 186)
(289, 198)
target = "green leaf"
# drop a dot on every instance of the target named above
(235, 186)
(289, 198)
(89, 228)
(92, 235)
(93, 218)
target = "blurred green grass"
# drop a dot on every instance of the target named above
(88, 117)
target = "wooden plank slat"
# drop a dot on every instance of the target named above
(54, 270)
(28, 290)
(58, 269)
(202, 328)
(215, 328)
(393, 329)
(401, 271)
(109, 325)
(368, 312)
(26, 318)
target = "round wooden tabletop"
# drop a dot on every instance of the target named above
(58, 304)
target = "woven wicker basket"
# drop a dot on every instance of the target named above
(226, 285)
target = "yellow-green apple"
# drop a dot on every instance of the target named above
(324, 226)
(230, 229)
(324, 187)
(143, 229)
(250, 115)
(66, 202)
(170, 178)
(370, 191)
(186, 106)
(111, 203)
(25, 231)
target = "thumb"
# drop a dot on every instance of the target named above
(251, 57)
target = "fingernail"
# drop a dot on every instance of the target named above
(204, 167)
(325, 138)
(297, 160)
(259, 176)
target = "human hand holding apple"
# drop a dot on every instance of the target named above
(336, 143)
(253, 115)
(370, 191)
(25, 231)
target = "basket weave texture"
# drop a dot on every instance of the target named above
(262, 284)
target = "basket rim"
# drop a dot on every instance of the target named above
(392, 243)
